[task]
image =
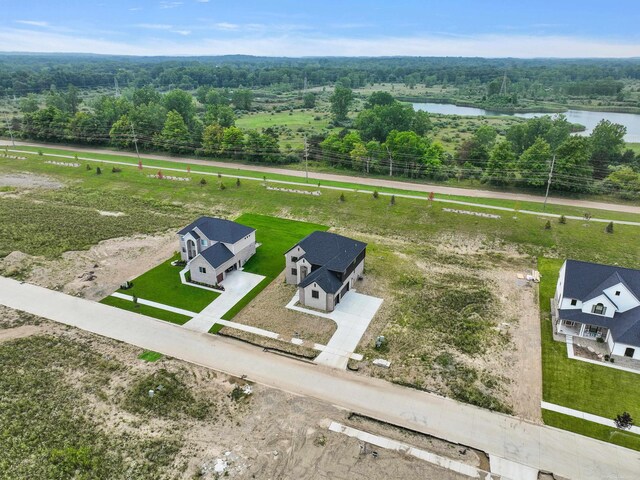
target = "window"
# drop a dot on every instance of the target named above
(617, 293)
(574, 302)
(569, 323)
(599, 309)
(294, 271)
(184, 249)
(203, 242)
(294, 259)
(202, 269)
(315, 294)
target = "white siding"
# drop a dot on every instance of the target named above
(610, 307)
(625, 301)
(242, 243)
(560, 284)
(306, 297)
(620, 348)
(194, 268)
(292, 279)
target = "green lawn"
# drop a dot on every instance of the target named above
(146, 310)
(276, 235)
(579, 385)
(150, 356)
(294, 120)
(162, 284)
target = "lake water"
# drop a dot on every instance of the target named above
(583, 117)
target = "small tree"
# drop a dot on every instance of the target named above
(88, 167)
(587, 216)
(609, 228)
(139, 164)
(203, 182)
(98, 171)
(547, 226)
(134, 299)
(562, 219)
(219, 175)
(375, 194)
(623, 421)
(431, 197)
(188, 168)
(75, 156)
(222, 187)
(393, 200)
(342, 199)
(237, 182)
(160, 176)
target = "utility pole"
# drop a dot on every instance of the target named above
(135, 141)
(553, 162)
(306, 158)
(390, 162)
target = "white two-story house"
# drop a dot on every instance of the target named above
(213, 247)
(600, 301)
(324, 266)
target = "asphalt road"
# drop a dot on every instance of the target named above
(372, 182)
(543, 448)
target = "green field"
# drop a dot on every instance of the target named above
(582, 386)
(162, 284)
(197, 170)
(146, 310)
(150, 356)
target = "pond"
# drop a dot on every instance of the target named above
(584, 117)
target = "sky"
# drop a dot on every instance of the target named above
(477, 28)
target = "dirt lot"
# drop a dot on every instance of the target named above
(97, 272)
(267, 435)
(268, 310)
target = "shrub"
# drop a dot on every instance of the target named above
(342, 199)
(116, 170)
(375, 194)
(609, 228)
(219, 175)
(393, 200)
(40, 152)
(547, 226)
(562, 220)
(237, 182)
(98, 171)
(222, 187)
(203, 181)
(623, 421)
(88, 167)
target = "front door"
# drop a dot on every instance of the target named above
(219, 277)
(629, 352)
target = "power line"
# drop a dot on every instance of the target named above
(546, 195)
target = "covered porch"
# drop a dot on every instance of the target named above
(583, 330)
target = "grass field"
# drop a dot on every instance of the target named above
(579, 385)
(146, 310)
(162, 284)
(259, 176)
(150, 356)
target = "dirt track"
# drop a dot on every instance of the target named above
(372, 182)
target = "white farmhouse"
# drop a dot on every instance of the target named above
(213, 247)
(324, 266)
(600, 301)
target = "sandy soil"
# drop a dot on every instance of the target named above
(99, 271)
(270, 435)
(28, 180)
(268, 310)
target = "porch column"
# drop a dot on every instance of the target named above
(582, 329)
(559, 324)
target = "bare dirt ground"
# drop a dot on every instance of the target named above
(97, 272)
(268, 435)
(268, 311)
(28, 180)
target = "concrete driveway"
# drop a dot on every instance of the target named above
(236, 286)
(542, 448)
(352, 316)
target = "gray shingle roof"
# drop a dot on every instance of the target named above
(330, 250)
(326, 279)
(585, 281)
(217, 254)
(219, 229)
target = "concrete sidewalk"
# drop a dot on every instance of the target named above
(157, 305)
(586, 416)
(535, 446)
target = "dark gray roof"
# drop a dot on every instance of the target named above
(326, 279)
(219, 229)
(217, 254)
(585, 281)
(194, 234)
(330, 250)
(582, 278)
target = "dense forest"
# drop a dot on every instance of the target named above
(190, 106)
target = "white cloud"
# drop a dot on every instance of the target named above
(33, 23)
(135, 9)
(202, 1)
(524, 46)
(164, 4)
(226, 26)
(153, 26)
